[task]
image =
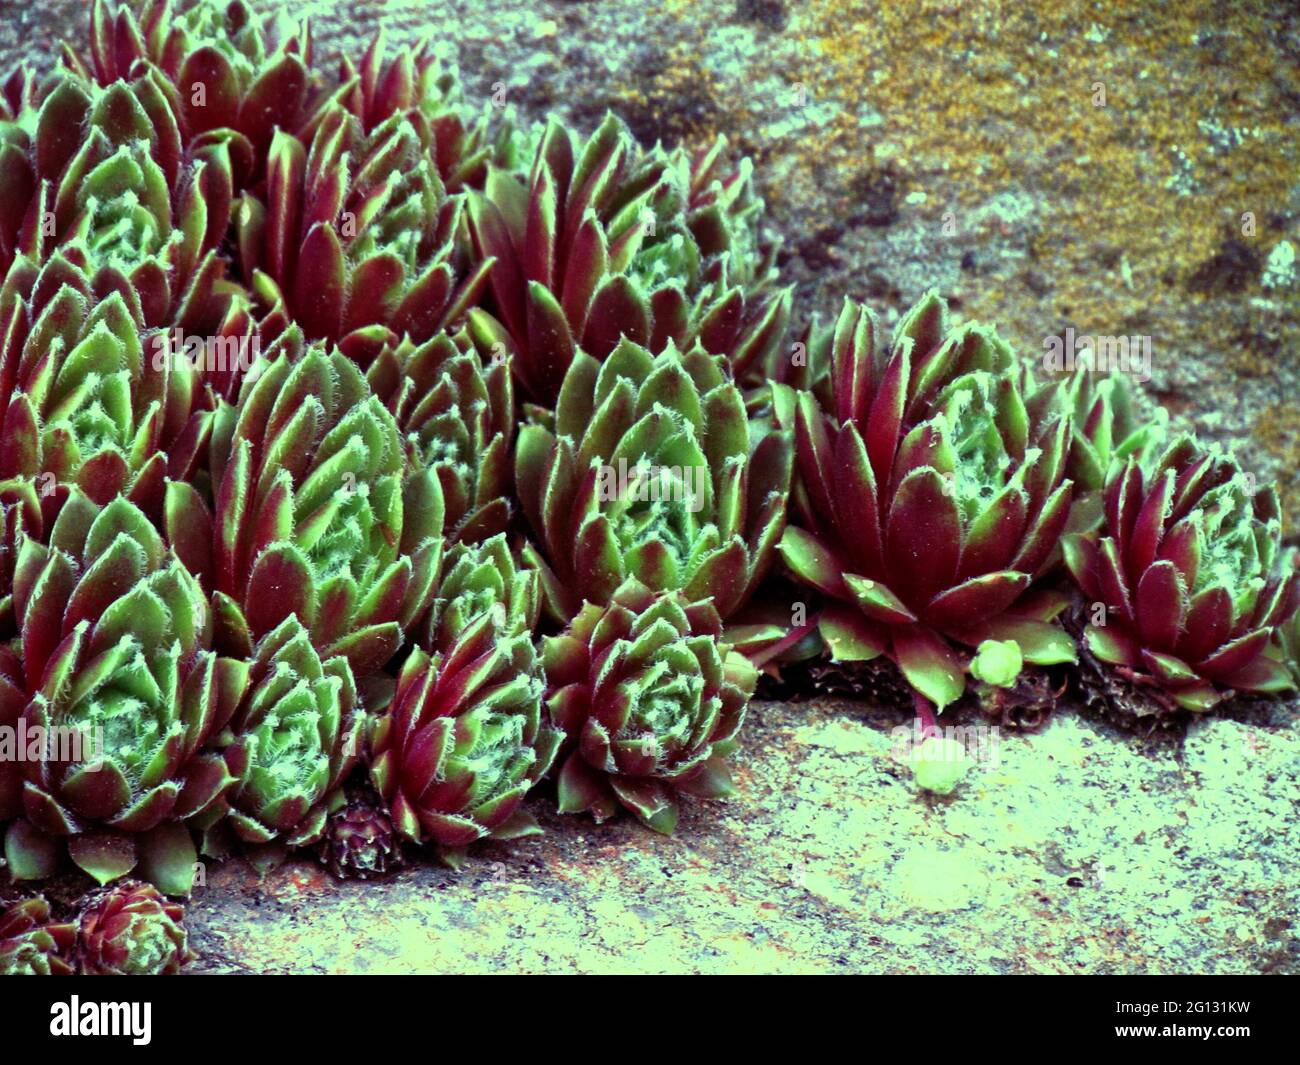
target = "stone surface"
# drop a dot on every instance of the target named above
(900, 146)
(1074, 849)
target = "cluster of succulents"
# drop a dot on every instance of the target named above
(519, 472)
(125, 929)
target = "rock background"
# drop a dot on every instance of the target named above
(1068, 851)
(958, 145)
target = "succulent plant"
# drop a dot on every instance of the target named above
(939, 764)
(549, 252)
(225, 66)
(602, 241)
(296, 737)
(480, 579)
(356, 230)
(652, 700)
(87, 403)
(650, 473)
(997, 663)
(129, 929)
(1186, 581)
(929, 499)
(316, 514)
(416, 85)
(1106, 428)
(724, 213)
(131, 210)
(117, 675)
(32, 943)
(360, 841)
(235, 578)
(458, 418)
(463, 740)
(730, 305)
(116, 264)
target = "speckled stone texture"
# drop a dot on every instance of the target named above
(1044, 166)
(1070, 850)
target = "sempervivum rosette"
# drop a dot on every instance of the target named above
(652, 700)
(479, 579)
(227, 68)
(131, 930)
(929, 499)
(128, 696)
(1185, 581)
(360, 841)
(85, 401)
(702, 267)
(94, 390)
(457, 416)
(463, 740)
(650, 473)
(731, 307)
(603, 241)
(725, 213)
(132, 211)
(1107, 427)
(316, 514)
(415, 84)
(548, 240)
(296, 736)
(32, 943)
(356, 231)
